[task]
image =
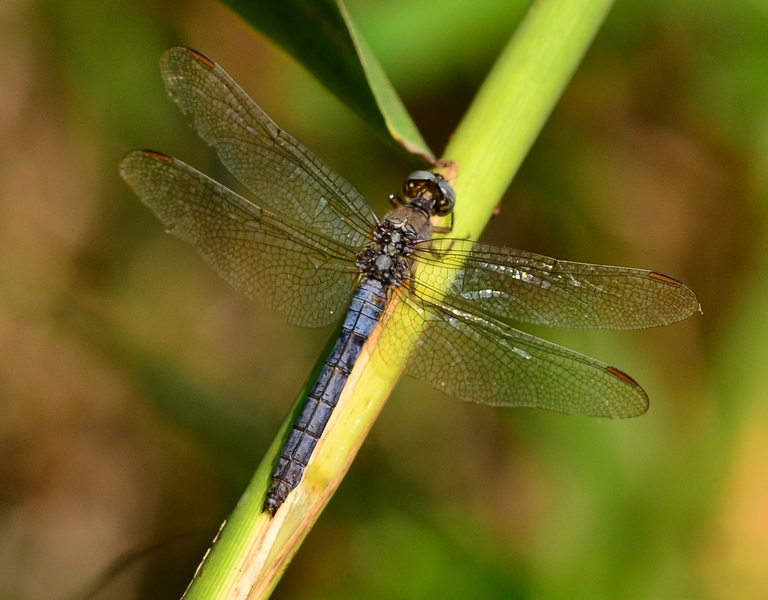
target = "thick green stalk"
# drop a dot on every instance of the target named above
(489, 146)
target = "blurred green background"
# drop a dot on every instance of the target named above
(138, 392)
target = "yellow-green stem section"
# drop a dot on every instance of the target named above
(511, 108)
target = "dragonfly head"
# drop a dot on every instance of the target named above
(431, 191)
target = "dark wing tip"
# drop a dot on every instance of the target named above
(691, 301)
(642, 408)
(157, 156)
(200, 57)
(663, 277)
(136, 166)
(622, 375)
(181, 54)
(127, 162)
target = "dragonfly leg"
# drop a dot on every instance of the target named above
(440, 252)
(445, 228)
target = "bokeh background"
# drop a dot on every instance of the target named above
(138, 392)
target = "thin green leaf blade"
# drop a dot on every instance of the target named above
(398, 121)
(321, 36)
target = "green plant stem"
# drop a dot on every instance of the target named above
(511, 108)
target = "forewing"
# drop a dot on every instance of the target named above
(262, 254)
(484, 361)
(532, 288)
(278, 169)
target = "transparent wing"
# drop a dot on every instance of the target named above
(262, 254)
(484, 361)
(532, 288)
(278, 169)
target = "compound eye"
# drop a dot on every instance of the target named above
(421, 177)
(447, 201)
(417, 181)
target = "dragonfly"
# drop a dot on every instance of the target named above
(309, 244)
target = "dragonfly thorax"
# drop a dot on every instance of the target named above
(387, 256)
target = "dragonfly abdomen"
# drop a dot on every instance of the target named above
(365, 310)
